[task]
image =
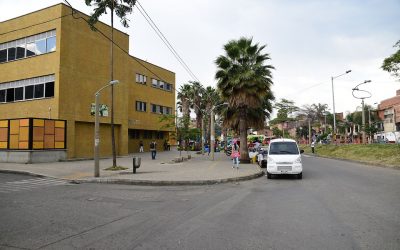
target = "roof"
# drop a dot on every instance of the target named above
(282, 140)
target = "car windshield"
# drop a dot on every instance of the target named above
(283, 148)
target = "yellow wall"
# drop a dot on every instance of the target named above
(81, 64)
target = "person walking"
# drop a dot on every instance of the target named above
(235, 155)
(312, 147)
(153, 149)
(141, 146)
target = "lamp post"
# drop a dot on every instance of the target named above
(96, 128)
(362, 103)
(333, 100)
(212, 141)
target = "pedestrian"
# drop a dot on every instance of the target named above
(235, 155)
(153, 149)
(165, 145)
(260, 158)
(141, 146)
(313, 146)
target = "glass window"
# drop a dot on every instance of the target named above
(283, 148)
(40, 46)
(49, 91)
(161, 86)
(168, 86)
(11, 54)
(2, 95)
(28, 92)
(19, 93)
(3, 55)
(20, 51)
(144, 79)
(10, 95)
(154, 82)
(39, 91)
(137, 78)
(51, 44)
(153, 108)
(30, 49)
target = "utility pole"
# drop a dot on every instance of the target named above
(309, 131)
(212, 141)
(363, 121)
(202, 135)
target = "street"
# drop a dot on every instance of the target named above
(337, 205)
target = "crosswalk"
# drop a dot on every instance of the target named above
(29, 184)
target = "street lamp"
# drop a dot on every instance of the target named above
(333, 99)
(96, 128)
(212, 142)
(362, 103)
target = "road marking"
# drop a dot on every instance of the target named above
(29, 184)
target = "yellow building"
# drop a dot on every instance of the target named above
(51, 65)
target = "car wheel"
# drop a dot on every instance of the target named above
(300, 176)
(269, 176)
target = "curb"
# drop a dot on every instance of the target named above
(170, 183)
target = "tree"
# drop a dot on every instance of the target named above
(184, 102)
(243, 81)
(392, 63)
(196, 97)
(122, 8)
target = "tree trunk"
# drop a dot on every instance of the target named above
(244, 152)
(114, 154)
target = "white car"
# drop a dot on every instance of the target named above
(284, 157)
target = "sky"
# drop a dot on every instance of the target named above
(309, 41)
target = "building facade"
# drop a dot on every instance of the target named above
(389, 113)
(52, 64)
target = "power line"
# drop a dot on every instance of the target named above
(165, 40)
(74, 11)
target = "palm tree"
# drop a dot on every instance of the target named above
(243, 81)
(196, 96)
(211, 98)
(122, 8)
(184, 102)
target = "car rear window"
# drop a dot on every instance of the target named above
(283, 148)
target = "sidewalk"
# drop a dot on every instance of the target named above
(199, 170)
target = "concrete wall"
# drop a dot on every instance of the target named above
(32, 156)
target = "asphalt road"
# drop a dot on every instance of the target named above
(337, 205)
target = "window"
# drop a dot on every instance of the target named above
(140, 106)
(160, 135)
(147, 134)
(30, 49)
(158, 109)
(11, 54)
(51, 44)
(134, 134)
(10, 95)
(153, 108)
(49, 89)
(3, 95)
(28, 92)
(3, 55)
(285, 148)
(40, 46)
(19, 93)
(141, 79)
(154, 83)
(27, 89)
(161, 85)
(28, 46)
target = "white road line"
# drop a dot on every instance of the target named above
(29, 184)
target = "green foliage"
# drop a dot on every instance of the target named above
(285, 109)
(277, 132)
(392, 63)
(121, 8)
(244, 81)
(377, 154)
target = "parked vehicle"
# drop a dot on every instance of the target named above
(284, 157)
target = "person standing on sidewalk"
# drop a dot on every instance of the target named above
(235, 155)
(312, 147)
(153, 149)
(141, 146)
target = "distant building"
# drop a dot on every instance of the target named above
(389, 113)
